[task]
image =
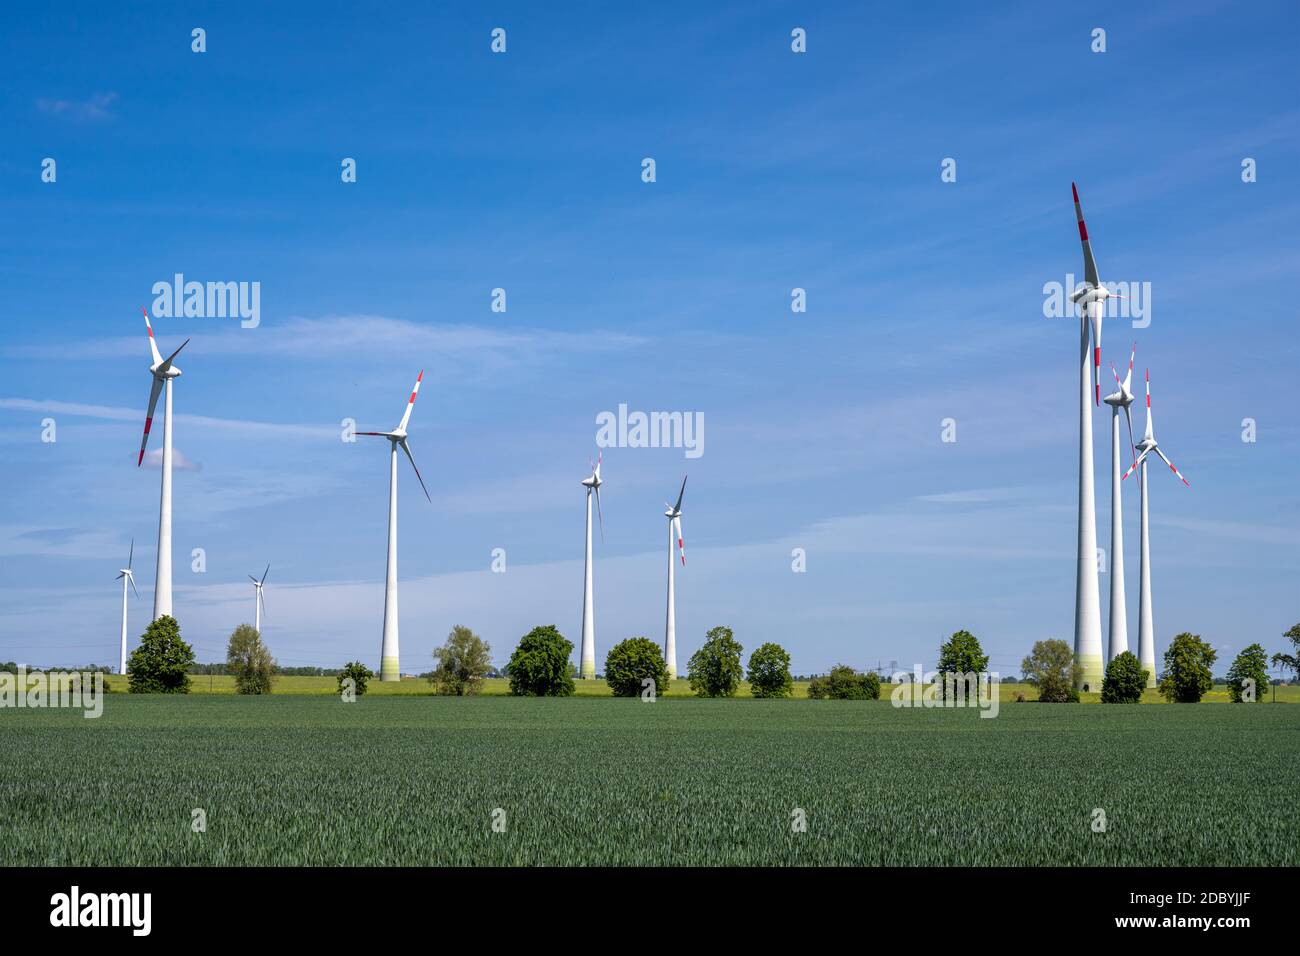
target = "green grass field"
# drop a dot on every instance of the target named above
(405, 779)
(598, 688)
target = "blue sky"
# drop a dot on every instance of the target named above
(522, 171)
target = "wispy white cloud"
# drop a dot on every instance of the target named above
(179, 462)
(118, 413)
(98, 106)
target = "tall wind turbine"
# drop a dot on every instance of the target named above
(1091, 296)
(124, 575)
(1122, 397)
(1146, 630)
(587, 670)
(674, 516)
(163, 372)
(389, 665)
(259, 604)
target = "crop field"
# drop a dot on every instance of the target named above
(417, 780)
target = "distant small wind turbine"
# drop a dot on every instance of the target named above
(259, 603)
(587, 670)
(389, 655)
(1146, 629)
(163, 372)
(124, 575)
(1122, 397)
(674, 516)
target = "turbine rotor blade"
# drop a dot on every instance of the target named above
(1128, 415)
(1089, 264)
(678, 506)
(599, 515)
(1141, 458)
(681, 546)
(130, 555)
(153, 346)
(253, 579)
(167, 363)
(266, 572)
(406, 417)
(148, 418)
(407, 448)
(131, 577)
(1172, 468)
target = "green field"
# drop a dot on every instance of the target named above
(404, 779)
(598, 688)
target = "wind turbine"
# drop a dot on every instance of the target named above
(389, 667)
(1091, 296)
(259, 603)
(674, 516)
(587, 670)
(124, 575)
(1122, 397)
(163, 372)
(1146, 630)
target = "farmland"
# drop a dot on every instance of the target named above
(407, 779)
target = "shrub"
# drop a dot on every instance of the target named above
(630, 662)
(539, 666)
(714, 670)
(845, 683)
(356, 672)
(161, 663)
(1187, 675)
(769, 672)
(250, 661)
(1051, 666)
(463, 662)
(1251, 665)
(1125, 680)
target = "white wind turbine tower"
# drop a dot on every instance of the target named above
(389, 664)
(1146, 630)
(259, 604)
(163, 372)
(674, 516)
(124, 575)
(1122, 397)
(1091, 296)
(587, 669)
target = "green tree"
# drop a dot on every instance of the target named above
(539, 667)
(714, 670)
(1051, 666)
(250, 661)
(1290, 661)
(356, 672)
(1251, 665)
(1187, 675)
(845, 683)
(630, 662)
(161, 663)
(962, 656)
(769, 672)
(463, 662)
(1125, 680)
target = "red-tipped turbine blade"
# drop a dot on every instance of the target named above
(1173, 469)
(411, 403)
(153, 346)
(148, 418)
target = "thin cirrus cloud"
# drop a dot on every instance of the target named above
(180, 462)
(98, 106)
(119, 413)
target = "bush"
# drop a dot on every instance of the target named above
(161, 663)
(1125, 680)
(1187, 675)
(961, 654)
(250, 661)
(540, 667)
(845, 683)
(358, 673)
(463, 662)
(769, 672)
(714, 670)
(630, 662)
(1051, 666)
(1251, 665)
